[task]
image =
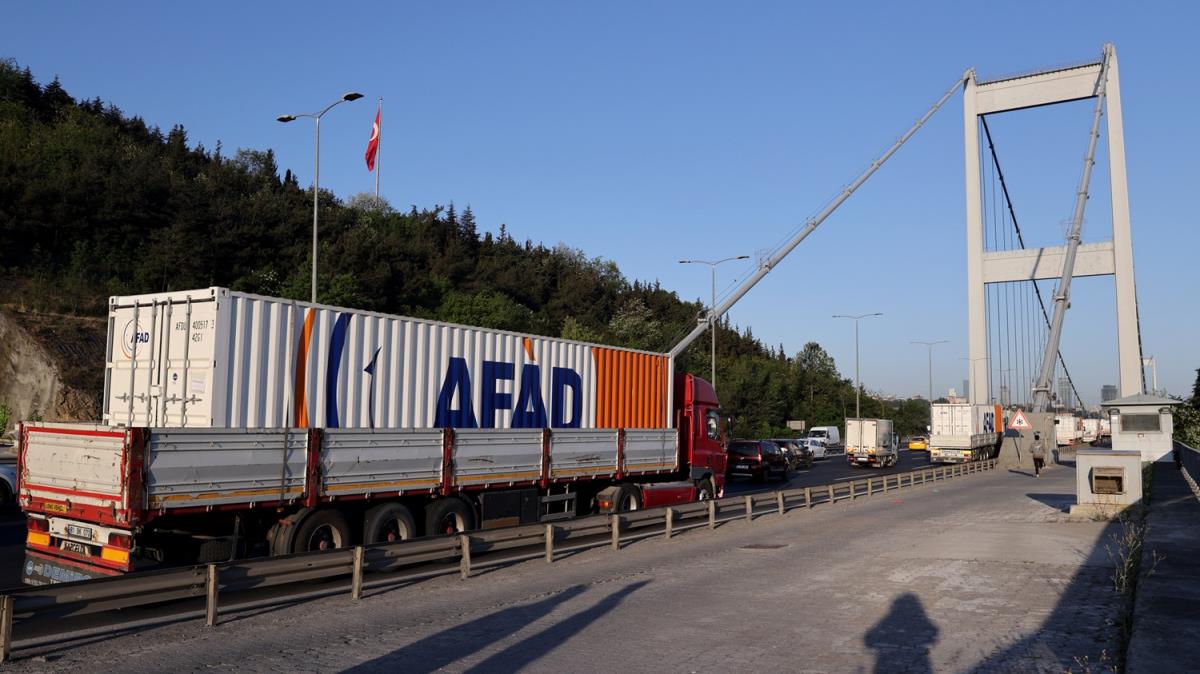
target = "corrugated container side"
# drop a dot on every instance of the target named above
(217, 358)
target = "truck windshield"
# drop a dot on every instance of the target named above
(744, 448)
(816, 434)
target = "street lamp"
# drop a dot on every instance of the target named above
(971, 376)
(931, 345)
(1005, 387)
(857, 386)
(712, 322)
(349, 96)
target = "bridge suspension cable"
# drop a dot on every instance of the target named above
(1026, 339)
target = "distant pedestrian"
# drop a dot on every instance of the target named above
(1038, 452)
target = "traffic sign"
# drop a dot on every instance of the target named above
(1019, 422)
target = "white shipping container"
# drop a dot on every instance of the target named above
(224, 359)
(963, 420)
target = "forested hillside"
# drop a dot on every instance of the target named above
(93, 202)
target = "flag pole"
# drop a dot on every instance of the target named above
(378, 148)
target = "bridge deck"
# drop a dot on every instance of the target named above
(979, 572)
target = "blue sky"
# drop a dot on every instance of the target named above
(646, 132)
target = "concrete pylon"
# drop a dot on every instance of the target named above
(1106, 258)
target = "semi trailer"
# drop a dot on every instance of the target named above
(962, 432)
(240, 425)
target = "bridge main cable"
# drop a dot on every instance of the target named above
(715, 313)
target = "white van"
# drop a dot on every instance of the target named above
(830, 436)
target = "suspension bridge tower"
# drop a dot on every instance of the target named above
(1113, 257)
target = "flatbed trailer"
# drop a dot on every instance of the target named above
(103, 500)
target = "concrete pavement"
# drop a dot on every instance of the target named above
(981, 573)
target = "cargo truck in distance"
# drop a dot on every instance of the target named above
(238, 425)
(962, 432)
(871, 442)
(1068, 429)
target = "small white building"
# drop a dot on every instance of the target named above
(1142, 423)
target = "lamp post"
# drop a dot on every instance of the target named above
(349, 96)
(971, 377)
(712, 322)
(931, 345)
(1005, 387)
(857, 386)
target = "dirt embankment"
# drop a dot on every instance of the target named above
(51, 366)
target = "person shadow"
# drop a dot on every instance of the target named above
(903, 638)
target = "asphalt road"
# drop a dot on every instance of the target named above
(833, 469)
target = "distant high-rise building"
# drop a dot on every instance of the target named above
(1108, 392)
(1005, 401)
(966, 389)
(1064, 393)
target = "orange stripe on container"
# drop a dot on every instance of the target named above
(301, 414)
(635, 390)
(603, 390)
(643, 390)
(628, 371)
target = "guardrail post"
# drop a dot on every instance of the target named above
(464, 567)
(779, 499)
(210, 591)
(6, 620)
(749, 508)
(356, 578)
(615, 525)
(885, 484)
(808, 497)
(712, 513)
(870, 481)
(669, 519)
(853, 490)
(549, 543)
(831, 493)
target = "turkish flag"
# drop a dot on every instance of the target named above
(373, 144)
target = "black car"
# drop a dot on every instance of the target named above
(796, 451)
(758, 459)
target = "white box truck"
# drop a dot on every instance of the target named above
(871, 442)
(962, 432)
(1091, 430)
(1068, 429)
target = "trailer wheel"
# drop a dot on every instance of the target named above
(629, 498)
(388, 522)
(705, 490)
(322, 530)
(448, 516)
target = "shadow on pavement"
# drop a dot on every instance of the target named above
(1060, 502)
(903, 638)
(436, 651)
(1021, 472)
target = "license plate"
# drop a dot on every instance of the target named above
(80, 532)
(54, 507)
(742, 465)
(77, 548)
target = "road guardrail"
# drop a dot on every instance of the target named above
(392, 563)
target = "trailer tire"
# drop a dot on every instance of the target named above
(283, 532)
(322, 530)
(447, 516)
(388, 522)
(705, 490)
